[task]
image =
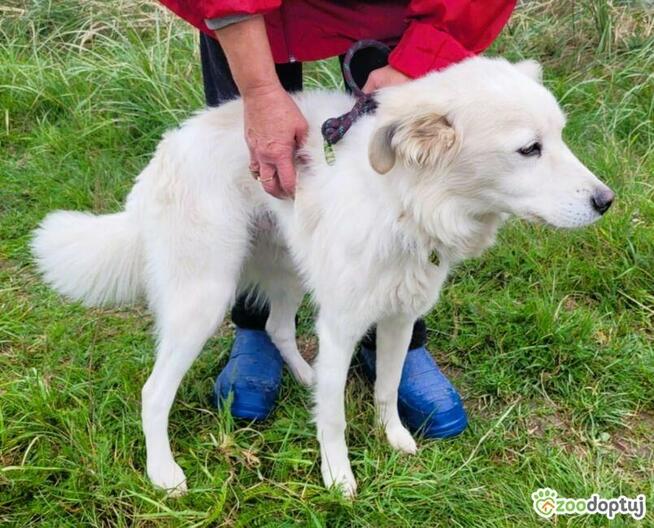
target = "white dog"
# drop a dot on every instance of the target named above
(444, 160)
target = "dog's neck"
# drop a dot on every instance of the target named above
(444, 223)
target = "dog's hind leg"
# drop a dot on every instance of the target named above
(189, 319)
(193, 277)
(271, 269)
(285, 298)
(393, 338)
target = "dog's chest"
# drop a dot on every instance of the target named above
(410, 287)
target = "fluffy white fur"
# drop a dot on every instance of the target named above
(197, 228)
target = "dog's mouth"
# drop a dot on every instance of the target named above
(536, 219)
(560, 222)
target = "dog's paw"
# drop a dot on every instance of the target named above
(169, 477)
(400, 438)
(303, 373)
(342, 478)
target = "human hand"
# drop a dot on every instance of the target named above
(382, 77)
(274, 129)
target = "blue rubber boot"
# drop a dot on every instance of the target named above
(427, 402)
(253, 375)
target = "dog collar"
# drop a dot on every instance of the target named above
(335, 128)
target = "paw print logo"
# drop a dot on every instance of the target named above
(544, 502)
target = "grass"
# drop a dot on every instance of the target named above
(549, 336)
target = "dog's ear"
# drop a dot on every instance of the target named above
(418, 141)
(381, 153)
(531, 69)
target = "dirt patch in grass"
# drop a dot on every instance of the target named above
(633, 441)
(308, 347)
(630, 444)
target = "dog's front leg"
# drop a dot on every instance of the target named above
(393, 338)
(336, 347)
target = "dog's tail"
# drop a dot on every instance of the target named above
(96, 259)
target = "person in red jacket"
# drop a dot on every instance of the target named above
(255, 49)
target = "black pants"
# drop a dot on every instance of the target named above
(219, 87)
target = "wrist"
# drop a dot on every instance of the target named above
(260, 88)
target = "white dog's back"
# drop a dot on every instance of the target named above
(199, 172)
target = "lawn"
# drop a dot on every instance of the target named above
(549, 336)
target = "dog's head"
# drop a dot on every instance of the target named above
(489, 132)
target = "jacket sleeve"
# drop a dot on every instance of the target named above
(442, 32)
(197, 11)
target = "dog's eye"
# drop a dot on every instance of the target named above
(533, 149)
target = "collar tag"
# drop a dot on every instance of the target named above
(328, 149)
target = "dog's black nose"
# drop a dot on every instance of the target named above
(602, 200)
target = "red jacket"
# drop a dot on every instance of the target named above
(426, 34)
